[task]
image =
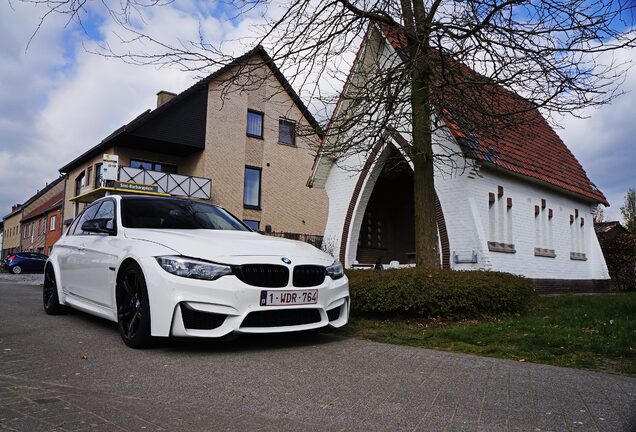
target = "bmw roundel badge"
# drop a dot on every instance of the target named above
(286, 260)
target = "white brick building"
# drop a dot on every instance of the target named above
(530, 215)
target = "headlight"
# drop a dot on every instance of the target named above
(192, 268)
(334, 271)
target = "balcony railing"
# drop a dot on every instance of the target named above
(173, 184)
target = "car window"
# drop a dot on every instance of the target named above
(88, 214)
(106, 211)
(163, 213)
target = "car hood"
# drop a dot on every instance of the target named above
(230, 246)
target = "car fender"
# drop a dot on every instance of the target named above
(58, 279)
(140, 251)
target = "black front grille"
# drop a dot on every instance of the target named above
(308, 275)
(197, 320)
(334, 314)
(263, 275)
(281, 318)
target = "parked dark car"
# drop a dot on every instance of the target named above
(25, 262)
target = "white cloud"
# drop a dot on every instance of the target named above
(54, 108)
(604, 142)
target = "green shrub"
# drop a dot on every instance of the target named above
(447, 294)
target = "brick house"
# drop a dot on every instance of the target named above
(53, 225)
(521, 204)
(34, 219)
(248, 148)
(11, 231)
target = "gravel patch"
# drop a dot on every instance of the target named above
(24, 279)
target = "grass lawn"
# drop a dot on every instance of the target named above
(595, 332)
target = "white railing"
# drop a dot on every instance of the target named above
(173, 184)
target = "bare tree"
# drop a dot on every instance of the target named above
(455, 63)
(598, 215)
(628, 210)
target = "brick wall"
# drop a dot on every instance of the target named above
(287, 204)
(54, 228)
(11, 237)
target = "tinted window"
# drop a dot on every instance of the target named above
(106, 211)
(88, 214)
(176, 214)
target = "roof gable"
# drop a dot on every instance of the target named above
(531, 147)
(182, 119)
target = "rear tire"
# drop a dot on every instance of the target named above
(133, 307)
(16, 269)
(50, 298)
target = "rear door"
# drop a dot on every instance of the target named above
(71, 255)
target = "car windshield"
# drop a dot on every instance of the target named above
(176, 214)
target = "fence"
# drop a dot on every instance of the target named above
(314, 240)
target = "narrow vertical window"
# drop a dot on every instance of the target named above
(287, 132)
(252, 188)
(254, 124)
(98, 175)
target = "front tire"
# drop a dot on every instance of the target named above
(50, 298)
(16, 269)
(133, 307)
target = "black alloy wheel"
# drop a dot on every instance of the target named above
(50, 299)
(133, 307)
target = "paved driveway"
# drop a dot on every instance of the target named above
(73, 373)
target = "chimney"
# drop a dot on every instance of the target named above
(163, 97)
(14, 207)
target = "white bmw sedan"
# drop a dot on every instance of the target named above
(172, 267)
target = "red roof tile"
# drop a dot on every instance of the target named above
(530, 148)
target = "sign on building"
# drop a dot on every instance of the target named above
(136, 186)
(110, 167)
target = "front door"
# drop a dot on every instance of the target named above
(100, 258)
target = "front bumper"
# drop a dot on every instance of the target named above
(226, 303)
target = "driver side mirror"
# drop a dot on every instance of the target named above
(99, 226)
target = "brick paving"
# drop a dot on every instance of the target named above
(73, 373)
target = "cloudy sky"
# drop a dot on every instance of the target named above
(57, 99)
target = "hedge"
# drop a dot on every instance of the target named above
(445, 293)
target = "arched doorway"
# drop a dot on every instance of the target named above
(387, 231)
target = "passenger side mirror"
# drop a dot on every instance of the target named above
(98, 226)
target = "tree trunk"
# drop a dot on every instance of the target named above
(426, 241)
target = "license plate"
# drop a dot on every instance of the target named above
(288, 298)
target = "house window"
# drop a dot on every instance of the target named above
(52, 223)
(254, 124)
(89, 172)
(286, 132)
(153, 166)
(79, 182)
(98, 175)
(252, 188)
(253, 224)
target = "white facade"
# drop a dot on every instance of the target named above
(493, 219)
(472, 221)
